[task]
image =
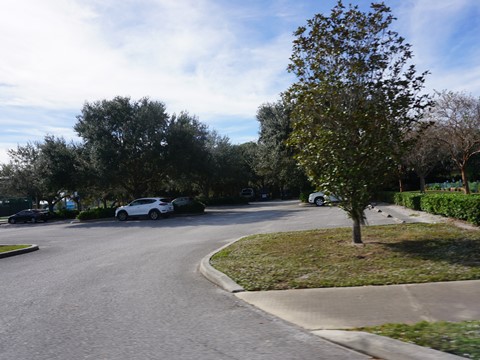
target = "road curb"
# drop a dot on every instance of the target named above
(31, 248)
(217, 277)
(383, 347)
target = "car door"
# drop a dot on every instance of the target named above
(135, 207)
(24, 215)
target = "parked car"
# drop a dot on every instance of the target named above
(185, 205)
(32, 215)
(248, 193)
(153, 208)
(182, 201)
(319, 198)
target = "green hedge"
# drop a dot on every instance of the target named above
(458, 206)
(454, 205)
(97, 213)
(65, 214)
(408, 199)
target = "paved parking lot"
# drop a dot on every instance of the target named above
(132, 290)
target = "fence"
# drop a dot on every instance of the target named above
(9, 206)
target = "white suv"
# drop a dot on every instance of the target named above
(151, 207)
(319, 198)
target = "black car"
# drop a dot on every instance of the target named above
(32, 215)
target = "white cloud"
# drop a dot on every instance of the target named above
(192, 55)
(444, 35)
(216, 59)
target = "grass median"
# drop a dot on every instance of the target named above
(393, 254)
(462, 338)
(5, 248)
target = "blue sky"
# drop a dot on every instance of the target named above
(217, 59)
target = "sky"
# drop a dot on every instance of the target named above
(217, 59)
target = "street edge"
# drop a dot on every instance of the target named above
(217, 277)
(31, 248)
(383, 347)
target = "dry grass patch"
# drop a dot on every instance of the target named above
(394, 254)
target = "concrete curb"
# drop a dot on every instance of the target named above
(217, 277)
(383, 347)
(19, 251)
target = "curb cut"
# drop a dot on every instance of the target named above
(31, 248)
(383, 347)
(217, 277)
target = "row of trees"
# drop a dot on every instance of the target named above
(134, 148)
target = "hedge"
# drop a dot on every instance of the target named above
(96, 213)
(408, 199)
(458, 206)
(454, 205)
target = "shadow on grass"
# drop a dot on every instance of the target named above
(464, 252)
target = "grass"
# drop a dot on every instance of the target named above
(394, 254)
(462, 339)
(5, 248)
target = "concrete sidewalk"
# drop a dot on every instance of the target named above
(325, 311)
(346, 308)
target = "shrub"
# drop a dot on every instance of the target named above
(455, 205)
(386, 196)
(65, 214)
(195, 207)
(410, 200)
(450, 204)
(96, 213)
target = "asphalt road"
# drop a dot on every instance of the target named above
(132, 290)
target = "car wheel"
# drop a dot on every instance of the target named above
(12, 221)
(319, 201)
(154, 214)
(122, 215)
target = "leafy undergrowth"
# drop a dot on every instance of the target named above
(5, 248)
(462, 338)
(394, 254)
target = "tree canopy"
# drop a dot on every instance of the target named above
(457, 119)
(126, 141)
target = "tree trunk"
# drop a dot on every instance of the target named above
(466, 188)
(422, 184)
(400, 184)
(357, 232)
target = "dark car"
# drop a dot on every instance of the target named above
(32, 215)
(185, 204)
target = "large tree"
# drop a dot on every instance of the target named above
(275, 162)
(428, 153)
(457, 116)
(355, 99)
(42, 170)
(19, 176)
(126, 141)
(187, 152)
